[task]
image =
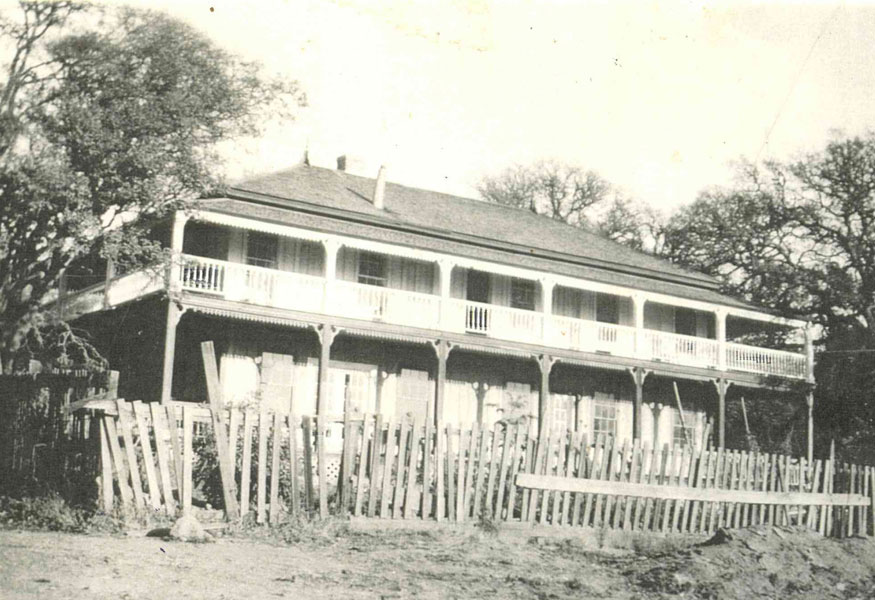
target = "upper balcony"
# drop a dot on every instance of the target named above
(334, 278)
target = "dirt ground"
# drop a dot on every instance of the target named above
(446, 562)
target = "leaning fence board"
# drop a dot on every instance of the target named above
(398, 496)
(469, 472)
(482, 467)
(261, 476)
(175, 447)
(148, 458)
(439, 470)
(322, 466)
(124, 426)
(512, 465)
(496, 456)
(246, 471)
(118, 459)
(375, 471)
(159, 429)
(295, 505)
(275, 468)
(451, 475)
(412, 471)
(362, 466)
(582, 471)
(214, 394)
(187, 457)
(464, 441)
(387, 470)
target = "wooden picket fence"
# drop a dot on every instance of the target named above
(399, 469)
(149, 458)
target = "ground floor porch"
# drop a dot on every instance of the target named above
(279, 364)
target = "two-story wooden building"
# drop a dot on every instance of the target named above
(319, 287)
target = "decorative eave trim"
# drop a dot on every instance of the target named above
(246, 316)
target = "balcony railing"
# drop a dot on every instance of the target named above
(681, 349)
(307, 293)
(591, 336)
(765, 360)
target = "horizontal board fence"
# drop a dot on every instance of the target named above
(162, 456)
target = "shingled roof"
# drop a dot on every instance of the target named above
(344, 195)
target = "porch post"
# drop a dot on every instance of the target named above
(445, 268)
(722, 386)
(173, 310)
(810, 401)
(638, 375)
(545, 410)
(173, 316)
(110, 275)
(720, 333)
(547, 286)
(326, 336)
(638, 306)
(442, 348)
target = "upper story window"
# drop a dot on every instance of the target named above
(607, 308)
(522, 294)
(372, 269)
(261, 249)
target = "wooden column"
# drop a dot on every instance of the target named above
(638, 376)
(720, 331)
(638, 307)
(722, 386)
(547, 286)
(545, 413)
(809, 399)
(332, 247)
(173, 310)
(173, 316)
(110, 275)
(442, 348)
(327, 333)
(445, 269)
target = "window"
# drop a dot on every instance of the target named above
(607, 308)
(261, 249)
(678, 438)
(604, 418)
(522, 294)
(372, 269)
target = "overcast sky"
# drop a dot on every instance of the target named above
(659, 98)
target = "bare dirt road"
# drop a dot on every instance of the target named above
(446, 563)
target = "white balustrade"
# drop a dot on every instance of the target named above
(389, 305)
(296, 291)
(247, 283)
(591, 336)
(501, 322)
(681, 349)
(765, 361)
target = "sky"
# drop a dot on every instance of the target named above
(660, 98)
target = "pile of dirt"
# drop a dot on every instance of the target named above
(761, 562)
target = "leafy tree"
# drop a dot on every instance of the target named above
(799, 237)
(109, 121)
